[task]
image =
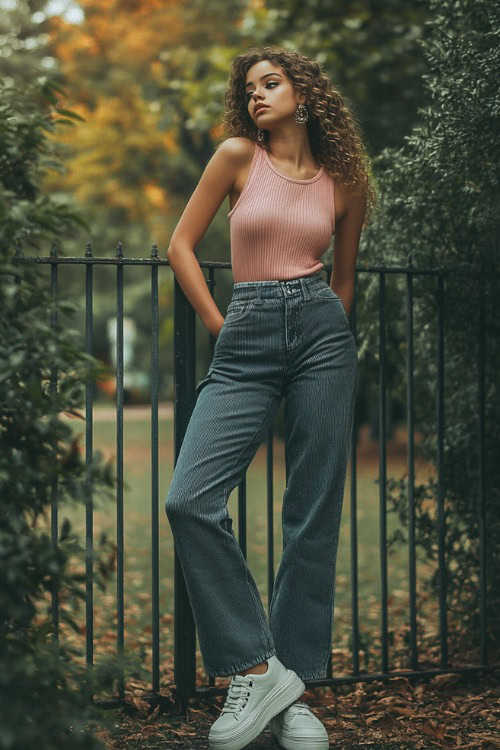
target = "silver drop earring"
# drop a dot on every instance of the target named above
(260, 135)
(301, 114)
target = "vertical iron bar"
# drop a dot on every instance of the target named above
(481, 369)
(354, 527)
(89, 450)
(119, 470)
(54, 520)
(184, 625)
(411, 472)
(443, 626)
(211, 282)
(382, 475)
(155, 556)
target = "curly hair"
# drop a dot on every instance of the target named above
(334, 133)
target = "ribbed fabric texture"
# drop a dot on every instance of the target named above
(280, 226)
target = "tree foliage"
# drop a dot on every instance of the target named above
(440, 208)
(370, 48)
(43, 374)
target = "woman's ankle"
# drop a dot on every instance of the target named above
(257, 669)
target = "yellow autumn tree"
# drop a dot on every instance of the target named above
(140, 74)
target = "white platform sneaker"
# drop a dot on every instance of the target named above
(252, 701)
(297, 728)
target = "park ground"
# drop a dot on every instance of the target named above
(447, 711)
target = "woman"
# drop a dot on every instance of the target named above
(295, 170)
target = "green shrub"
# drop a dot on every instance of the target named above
(440, 208)
(43, 692)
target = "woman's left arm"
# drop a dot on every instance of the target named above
(349, 216)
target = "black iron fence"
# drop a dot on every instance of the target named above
(184, 399)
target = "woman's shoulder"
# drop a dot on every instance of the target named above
(238, 147)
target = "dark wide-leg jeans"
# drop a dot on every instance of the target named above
(280, 339)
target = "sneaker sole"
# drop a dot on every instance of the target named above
(285, 693)
(297, 743)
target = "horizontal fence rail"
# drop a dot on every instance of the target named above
(184, 399)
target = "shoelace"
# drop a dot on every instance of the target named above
(237, 694)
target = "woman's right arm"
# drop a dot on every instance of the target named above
(215, 183)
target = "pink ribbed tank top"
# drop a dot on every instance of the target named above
(280, 226)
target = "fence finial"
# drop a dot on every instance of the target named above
(53, 249)
(88, 250)
(119, 250)
(154, 250)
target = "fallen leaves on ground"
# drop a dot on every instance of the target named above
(446, 711)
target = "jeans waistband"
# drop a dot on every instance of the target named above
(244, 290)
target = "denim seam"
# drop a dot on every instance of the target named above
(245, 564)
(332, 598)
(330, 626)
(264, 624)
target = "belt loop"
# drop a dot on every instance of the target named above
(258, 287)
(305, 290)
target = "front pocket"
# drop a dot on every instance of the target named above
(324, 292)
(203, 382)
(236, 311)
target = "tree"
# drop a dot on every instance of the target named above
(42, 375)
(440, 208)
(370, 47)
